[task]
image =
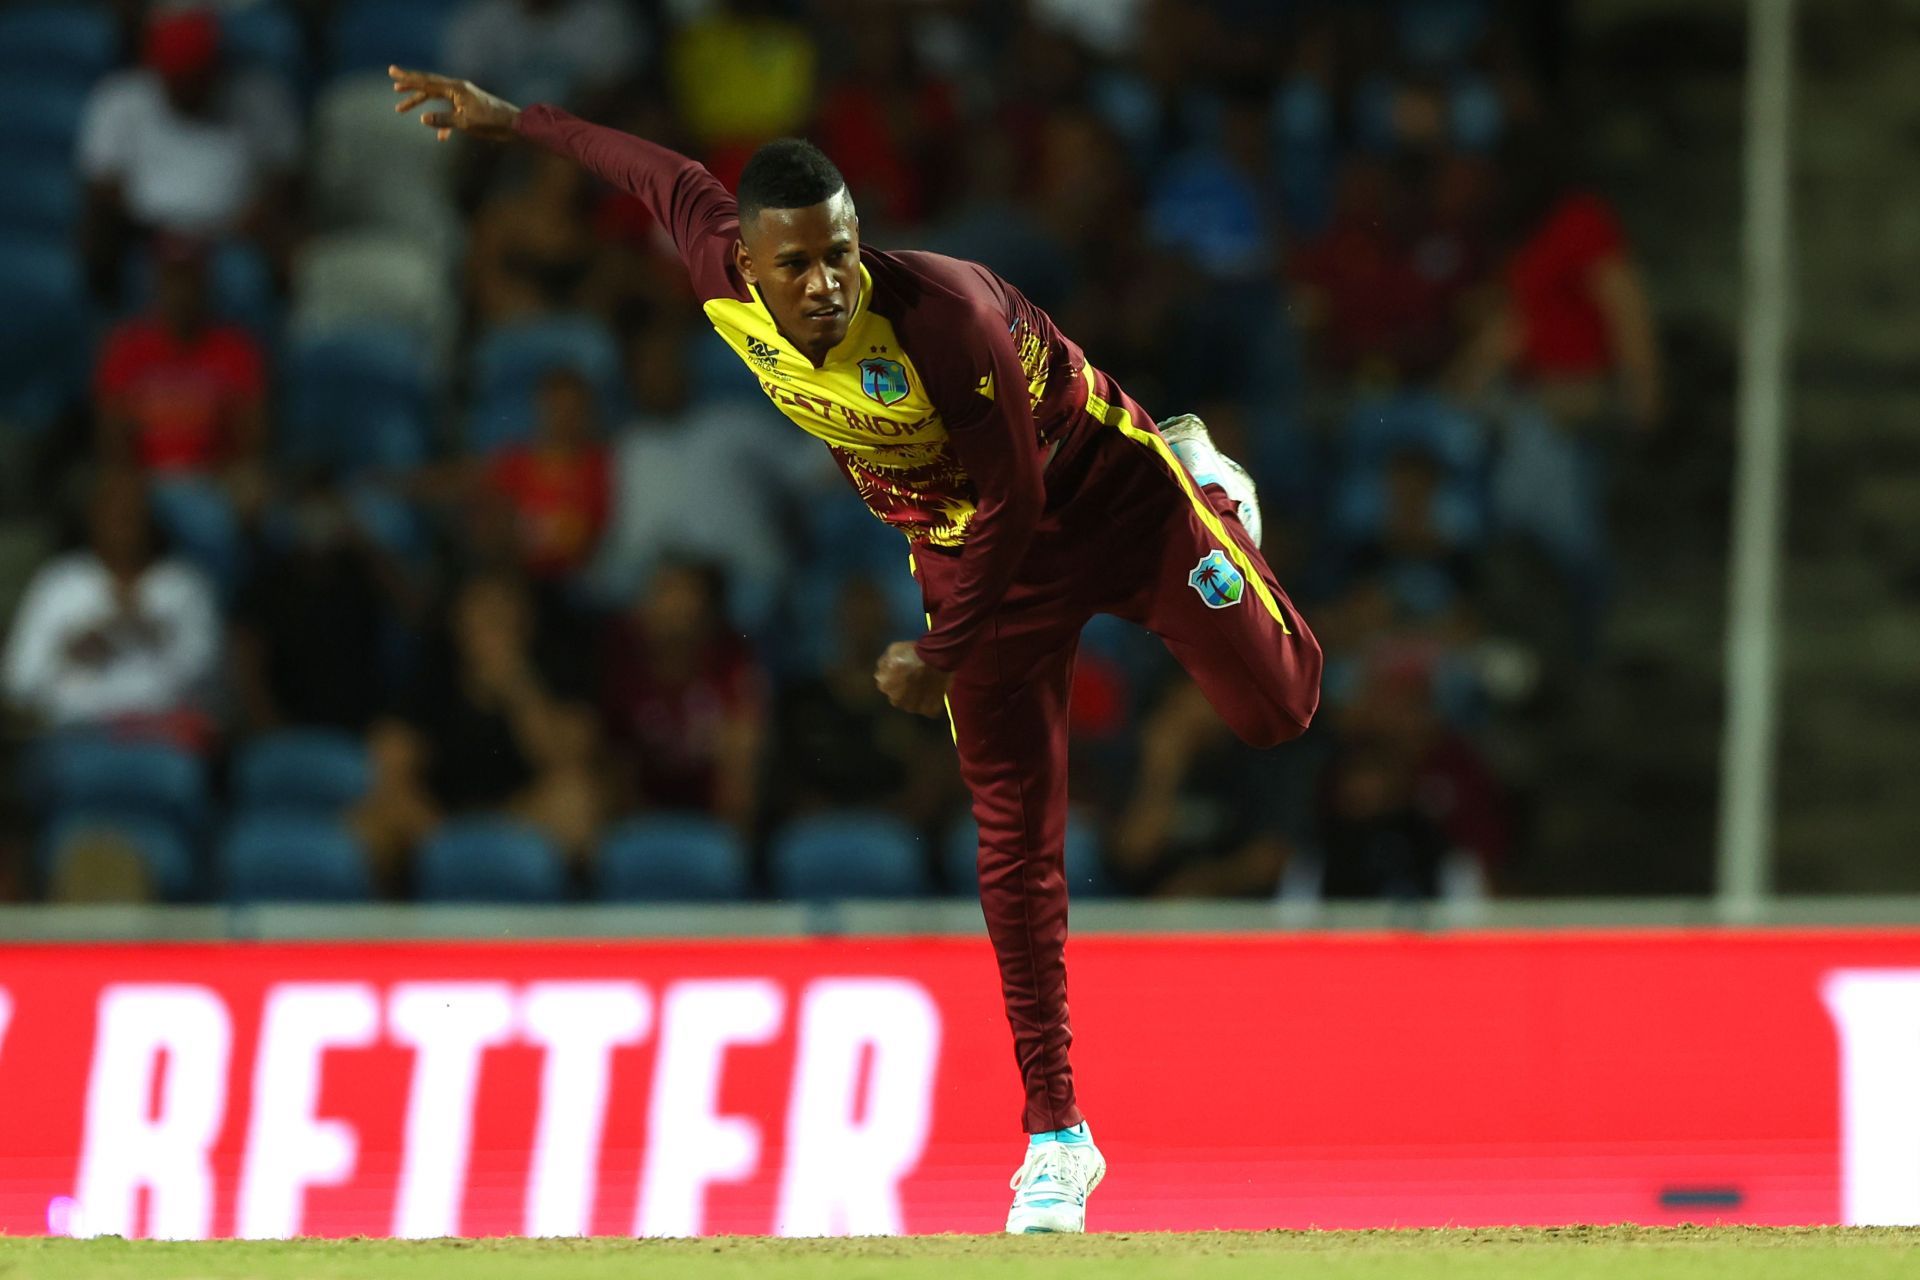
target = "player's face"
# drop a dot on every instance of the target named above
(806, 264)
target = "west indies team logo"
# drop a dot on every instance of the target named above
(883, 380)
(1217, 581)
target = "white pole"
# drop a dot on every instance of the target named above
(1747, 758)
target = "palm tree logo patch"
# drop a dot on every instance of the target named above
(1218, 582)
(884, 380)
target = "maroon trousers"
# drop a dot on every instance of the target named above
(1126, 532)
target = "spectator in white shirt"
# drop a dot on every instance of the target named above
(544, 50)
(718, 481)
(179, 145)
(114, 634)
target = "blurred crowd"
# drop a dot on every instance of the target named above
(412, 468)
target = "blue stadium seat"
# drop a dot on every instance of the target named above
(843, 541)
(1380, 427)
(842, 533)
(243, 288)
(314, 771)
(672, 858)
(808, 632)
(265, 36)
(367, 35)
(43, 332)
(1135, 650)
(1441, 33)
(199, 520)
(1306, 153)
(159, 845)
(1086, 871)
(1289, 464)
(358, 399)
(715, 373)
(849, 855)
(40, 201)
(489, 860)
(498, 422)
(510, 361)
(29, 272)
(43, 118)
(1360, 507)
(389, 519)
(293, 858)
(86, 773)
(72, 39)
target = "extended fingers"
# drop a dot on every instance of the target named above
(413, 100)
(404, 79)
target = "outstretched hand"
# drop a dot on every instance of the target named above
(909, 683)
(472, 110)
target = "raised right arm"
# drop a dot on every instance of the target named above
(681, 195)
(696, 210)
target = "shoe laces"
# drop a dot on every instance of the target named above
(1053, 1161)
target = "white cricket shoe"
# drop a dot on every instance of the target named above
(1187, 436)
(1050, 1191)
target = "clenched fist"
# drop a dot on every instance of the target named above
(909, 683)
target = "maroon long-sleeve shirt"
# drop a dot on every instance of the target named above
(943, 403)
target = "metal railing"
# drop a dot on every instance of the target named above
(952, 917)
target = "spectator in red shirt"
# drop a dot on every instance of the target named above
(176, 391)
(888, 123)
(559, 485)
(1572, 336)
(684, 698)
(1382, 285)
(1573, 324)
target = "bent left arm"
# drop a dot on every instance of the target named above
(991, 432)
(979, 388)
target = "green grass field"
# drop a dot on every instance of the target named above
(1573, 1253)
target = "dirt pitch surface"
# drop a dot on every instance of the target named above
(1567, 1253)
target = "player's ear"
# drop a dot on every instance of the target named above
(743, 262)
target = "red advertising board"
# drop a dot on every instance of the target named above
(857, 1085)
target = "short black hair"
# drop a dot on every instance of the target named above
(787, 173)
